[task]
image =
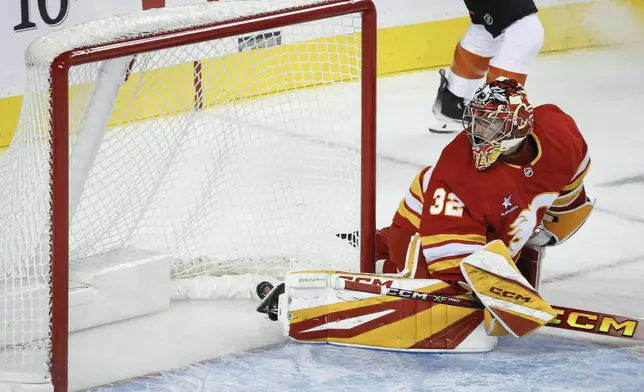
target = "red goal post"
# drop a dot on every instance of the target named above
(60, 124)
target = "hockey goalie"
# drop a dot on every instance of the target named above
(470, 231)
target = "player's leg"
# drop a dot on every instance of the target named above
(392, 243)
(399, 260)
(469, 66)
(503, 39)
(520, 44)
(520, 33)
(529, 264)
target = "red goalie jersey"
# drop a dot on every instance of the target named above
(452, 209)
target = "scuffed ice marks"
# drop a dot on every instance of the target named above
(539, 363)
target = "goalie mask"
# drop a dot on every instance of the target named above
(497, 119)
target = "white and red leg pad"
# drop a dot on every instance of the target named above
(317, 308)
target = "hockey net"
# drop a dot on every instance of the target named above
(231, 136)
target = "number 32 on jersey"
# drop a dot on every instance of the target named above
(446, 203)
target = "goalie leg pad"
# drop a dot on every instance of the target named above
(492, 325)
(504, 292)
(319, 311)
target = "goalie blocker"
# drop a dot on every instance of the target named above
(422, 315)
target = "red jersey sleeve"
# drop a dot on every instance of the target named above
(574, 148)
(574, 193)
(410, 208)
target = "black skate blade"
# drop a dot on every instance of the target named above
(445, 125)
(442, 131)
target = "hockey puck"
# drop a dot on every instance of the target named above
(263, 289)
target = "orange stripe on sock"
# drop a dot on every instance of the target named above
(469, 65)
(495, 72)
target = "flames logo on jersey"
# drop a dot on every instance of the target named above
(524, 225)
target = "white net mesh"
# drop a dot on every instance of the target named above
(230, 155)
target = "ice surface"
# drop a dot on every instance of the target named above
(538, 363)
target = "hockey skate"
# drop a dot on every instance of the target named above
(447, 110)
(270, 302)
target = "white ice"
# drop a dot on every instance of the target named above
(601, 268)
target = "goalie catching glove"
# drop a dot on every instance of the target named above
(511, 303)
(559, 224)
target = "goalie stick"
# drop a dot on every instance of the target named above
(597, 323)
(410, 294)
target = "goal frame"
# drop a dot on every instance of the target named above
(59, 125)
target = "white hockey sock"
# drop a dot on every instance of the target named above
(462, 87)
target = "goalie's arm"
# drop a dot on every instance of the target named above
(568, 213)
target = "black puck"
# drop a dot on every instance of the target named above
(263, 289)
